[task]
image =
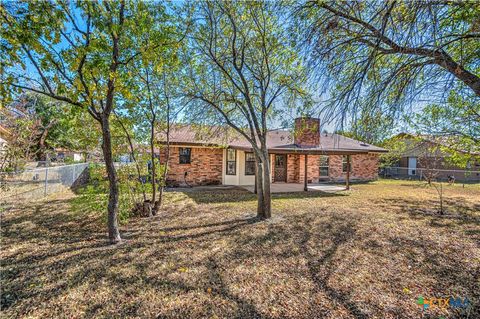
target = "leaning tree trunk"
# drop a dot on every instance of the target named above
(153, 207)
(163, 183)
(112, 210)
(42, 155)
(158, 203)
(134, 158)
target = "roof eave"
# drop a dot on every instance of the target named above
(314, 151)
(335, 151)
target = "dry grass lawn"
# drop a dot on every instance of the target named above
(367, 253)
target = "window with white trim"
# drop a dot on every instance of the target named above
(249, 164)
(231, 162)
(323, 165)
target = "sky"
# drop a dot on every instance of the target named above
(289, 113)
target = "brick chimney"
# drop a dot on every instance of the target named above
(307, 131)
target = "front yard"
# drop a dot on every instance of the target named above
(367, 253)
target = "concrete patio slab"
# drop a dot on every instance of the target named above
(292, 187)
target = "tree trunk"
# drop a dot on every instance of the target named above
(158, 203)
(154, 209)
(112, 210)
(305, 173)
(165, 174)
(42, 156)
(347, 180)
(267, 199)
(259, 186)
(132, 154)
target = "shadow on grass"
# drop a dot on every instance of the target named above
(49, 234)
(56, 254)
(206, 230)
(320, 269)
(246, 309)
(75, 253)
(300, 239)
(457, 213)
(238, 221)
(455, 209)
(235, 196)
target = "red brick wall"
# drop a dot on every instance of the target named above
(293, 168)
(205, 167)
(307, 131)
(313, 170)
(364, 167)
(335, 167)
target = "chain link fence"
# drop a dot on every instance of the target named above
(40, 182)
(470, 176)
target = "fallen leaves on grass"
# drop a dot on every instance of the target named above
(368, 254)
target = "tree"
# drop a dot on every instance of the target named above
(23, 131)
(171, 100)
(148, 100)
(396, 147)
(241, 64)
(370, 125)
(56, 126)
(456, 123)
(47, 50)
(391, 53)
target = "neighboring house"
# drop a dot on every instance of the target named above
(423, 153)
(219, 156)
(62, 154)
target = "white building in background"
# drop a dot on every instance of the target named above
(3, 144)
(4, 134)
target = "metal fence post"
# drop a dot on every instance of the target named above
(46, 181)
(74, 173)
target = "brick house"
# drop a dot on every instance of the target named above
(219, 156)
(422, 153)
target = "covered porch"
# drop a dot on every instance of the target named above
(304, 171)
(298, 187)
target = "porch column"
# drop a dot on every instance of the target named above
(305, 181)
(347, 180)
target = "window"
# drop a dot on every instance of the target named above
(344, 163)
(323, 166)
(249, 164)
(185, 155)
(231, 162)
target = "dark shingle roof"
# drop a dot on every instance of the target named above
(277, 140)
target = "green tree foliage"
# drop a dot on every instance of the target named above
(370, 126)
(390, 53)
(147, 105)
(241, 64)
(57, 126)
(396, 147)
(455, 124)
(21, 135)
(78, 53)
